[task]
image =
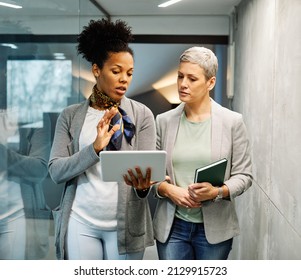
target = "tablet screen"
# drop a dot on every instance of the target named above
(114, 164)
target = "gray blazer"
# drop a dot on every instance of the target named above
(134, 225)
(229, 140)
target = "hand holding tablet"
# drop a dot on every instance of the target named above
(136, 178)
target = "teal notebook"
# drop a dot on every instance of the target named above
(213, 173)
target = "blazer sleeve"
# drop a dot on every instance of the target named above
(160, 122)
(240, 178)
(146, 131)
(146, 135)
(65, 163)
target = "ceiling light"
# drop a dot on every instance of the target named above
(10, 4)
(12, 46)
(167, 87)
(168, 3)
(59, 56)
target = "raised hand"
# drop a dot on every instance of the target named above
(103, 134)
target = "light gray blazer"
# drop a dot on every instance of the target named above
(228, 140)
(134, 225)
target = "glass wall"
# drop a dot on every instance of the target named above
(39, 76)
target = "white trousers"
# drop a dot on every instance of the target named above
(13, 238)
(84, 242)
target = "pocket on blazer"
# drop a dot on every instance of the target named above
(136, 217)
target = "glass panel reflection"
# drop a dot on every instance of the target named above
(41, 85)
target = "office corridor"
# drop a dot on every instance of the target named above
(264, 42)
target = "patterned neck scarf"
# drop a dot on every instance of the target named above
(101, 100)
(127, 128)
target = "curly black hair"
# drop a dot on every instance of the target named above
(102, 37)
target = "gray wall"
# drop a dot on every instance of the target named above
(267, 92)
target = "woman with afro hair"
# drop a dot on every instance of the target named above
(97, 219)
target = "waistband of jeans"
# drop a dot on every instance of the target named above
(188, 222)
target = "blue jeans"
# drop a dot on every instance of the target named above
(187, 241)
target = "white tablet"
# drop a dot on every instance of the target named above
(114, 164)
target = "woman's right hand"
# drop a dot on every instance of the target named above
(103, 134)
(177, 195)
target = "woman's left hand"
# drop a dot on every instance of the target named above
(137, 180)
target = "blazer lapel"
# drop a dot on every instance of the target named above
(77, 124)
(171, 134)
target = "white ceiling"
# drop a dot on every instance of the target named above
(153, 62)
(117, 8)
(210, 17)
(150, 7)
